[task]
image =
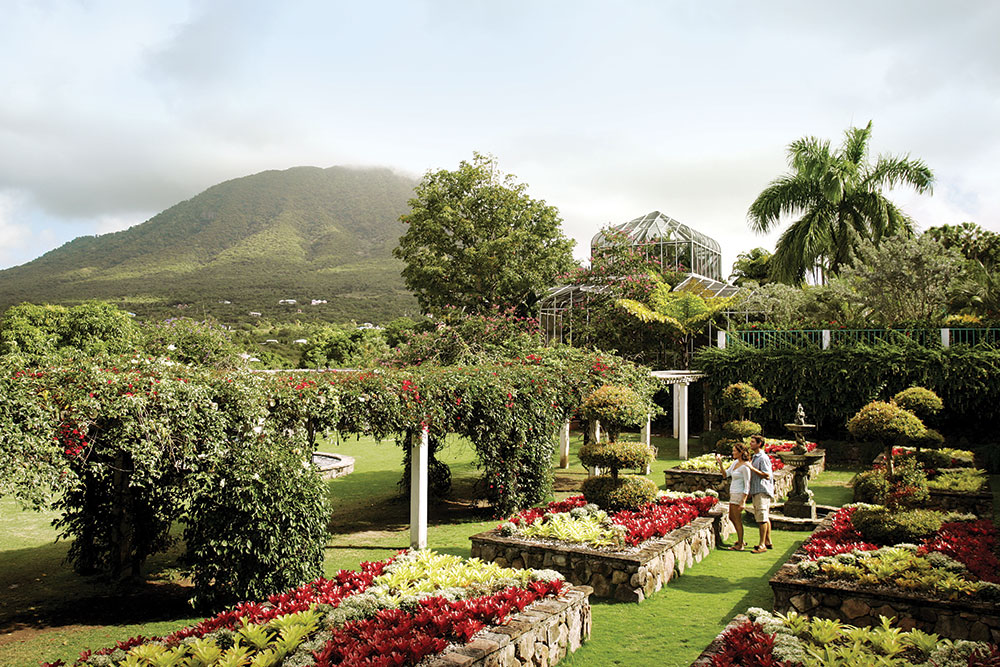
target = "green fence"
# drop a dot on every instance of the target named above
(827, 338)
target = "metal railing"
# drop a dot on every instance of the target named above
(823, 339)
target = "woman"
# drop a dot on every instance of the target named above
(739, 474)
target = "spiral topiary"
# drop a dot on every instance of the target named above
(737, 399)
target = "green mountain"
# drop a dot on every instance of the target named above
(303, 233)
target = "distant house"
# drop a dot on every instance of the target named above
(316, 302)
(254, 313)
(287, 302)
(300, 341)
(225, 302)
(270, 340)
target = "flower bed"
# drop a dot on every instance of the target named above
(626, 556)
(394, 612)
(702, 472)
(953, 482)
(949, 583)
(763, 638)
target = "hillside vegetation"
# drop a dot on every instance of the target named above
(303, 233)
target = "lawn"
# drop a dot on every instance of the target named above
(48, 612)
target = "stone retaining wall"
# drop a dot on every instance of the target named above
(689, 481)
(977, 621)
(625, 577)
(979, 503)
(541, 635)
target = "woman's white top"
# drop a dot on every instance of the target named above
(739, 478)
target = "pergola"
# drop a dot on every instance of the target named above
(420, 446)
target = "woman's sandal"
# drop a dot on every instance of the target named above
(769, 546)
(738, 546)
(759, 549)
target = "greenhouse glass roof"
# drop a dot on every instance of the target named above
(656, 227)
(706, 287)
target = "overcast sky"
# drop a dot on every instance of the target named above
(111, 111)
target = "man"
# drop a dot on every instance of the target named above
(761, 492)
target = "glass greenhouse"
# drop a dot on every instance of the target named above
(675, 245)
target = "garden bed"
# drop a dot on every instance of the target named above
(628, 575)
(418, 607)
(955, 611)
(939, 465)
(762, 638)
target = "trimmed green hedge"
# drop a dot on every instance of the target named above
(834, 384)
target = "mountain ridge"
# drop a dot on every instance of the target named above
(278, 234)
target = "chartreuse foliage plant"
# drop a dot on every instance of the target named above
(818, 642)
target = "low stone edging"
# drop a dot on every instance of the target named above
(689, 481)
(541, 635)
(625, 577)
(331, 466)
(976, 621)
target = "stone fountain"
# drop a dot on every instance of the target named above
(800, 501)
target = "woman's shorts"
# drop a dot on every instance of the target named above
(761, 507)
(737, 500)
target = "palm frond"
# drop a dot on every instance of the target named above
(786, 195)
(855, 146)
(892, 171)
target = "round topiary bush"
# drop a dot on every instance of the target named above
(904, 486)
(740, 397)
(740, 428)
(921, 401)
(886, 423)
(616, 456)
(884, 526)
(620, 493)
(616, 407)
(931, 439)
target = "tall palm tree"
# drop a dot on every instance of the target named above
(837, 198)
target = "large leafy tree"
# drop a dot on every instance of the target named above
(975, 243)
(752, 266)
(836, 197)
(476, 240)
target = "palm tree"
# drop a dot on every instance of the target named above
(837, 197)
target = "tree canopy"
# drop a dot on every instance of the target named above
(476, 240)
(837, 198)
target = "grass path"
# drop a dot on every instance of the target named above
(57, 613)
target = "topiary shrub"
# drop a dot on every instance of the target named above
(616, 456)
(884, 526)
(921, 401)
(736, 400)
(904, 486)
(930, 439)
(620, 493)
(888, 424)
(738, 429)
(616, 407)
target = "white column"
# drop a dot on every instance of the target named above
(722, 340)
(595, 437)
(644, 437)
(419, 447)
(826, 339)
(946, 338)
(677, 411)
(682, 409)
(564, 445)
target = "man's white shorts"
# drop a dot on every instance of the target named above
(761, 507)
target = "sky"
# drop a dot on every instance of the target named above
(112, 111)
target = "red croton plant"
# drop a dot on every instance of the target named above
(391, 637)
(655, 519)
(972, 543)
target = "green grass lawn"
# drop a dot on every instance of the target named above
(48, 612)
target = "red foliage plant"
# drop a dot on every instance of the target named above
(747, 644)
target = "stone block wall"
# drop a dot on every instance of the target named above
(689, 481)
(977, 621)
(626, 577)
(980, 504)
(541, 635)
